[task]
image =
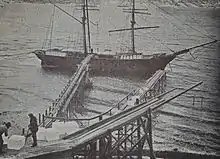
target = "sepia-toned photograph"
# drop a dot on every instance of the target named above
(109, 79)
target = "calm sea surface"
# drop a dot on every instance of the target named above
(26, 87)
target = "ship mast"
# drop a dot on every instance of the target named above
(84, 28)
(88, 28)
(132, 27)
(84, 17)
(133, 12)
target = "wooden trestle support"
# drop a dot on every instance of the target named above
(70, 97)
(156, 84)
(126, 141)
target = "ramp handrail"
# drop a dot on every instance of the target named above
(69, 91)
(159, 73)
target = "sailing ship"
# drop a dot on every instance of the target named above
(123, 64)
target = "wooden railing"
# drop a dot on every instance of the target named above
(66, 94)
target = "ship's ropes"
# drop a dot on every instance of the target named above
(71, 43)
(49, 32)
(123, 4)
(191, 26)
(177, 27)
(152, 37)
(142, 32)
(109, 34)
(123, 47)
(207, 34)
(122, 39)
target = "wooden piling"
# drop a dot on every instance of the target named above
(43, 120)
(193, 100)
(109, 144)
(138, 138)
(202, 98)
(101, 147)
(118, 146)
(118, 106)
(92, 153)
(100, 117)
(22, 132)
(132, 127)
(152, 156)
(39, 118)
(125, 133)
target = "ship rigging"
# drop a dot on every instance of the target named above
(131, 63)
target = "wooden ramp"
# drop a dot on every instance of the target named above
(124, 132)
(62, 104)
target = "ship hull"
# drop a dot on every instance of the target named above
(128, 68)
(57, 62)
(109, 66)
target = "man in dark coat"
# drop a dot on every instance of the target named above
(34, 128)
(3, 130)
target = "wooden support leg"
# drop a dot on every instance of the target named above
(92, 151)
(148, 132)
(43, 120)
(109, 147)
(118, 148)
(125, 134)
(39, 118)
(138, 138)
(152, 156)
(86, 152)
(101, 147)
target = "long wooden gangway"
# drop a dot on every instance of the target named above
(104, 130)
(67, 94)
(153, 86)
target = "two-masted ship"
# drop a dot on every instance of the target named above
(124, 64)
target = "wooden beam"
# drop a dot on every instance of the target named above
(137, 12)
(139, 137)
(66, 13)
(134, 28)
(179, 94)
(152, 155)
(191, 48)
(143, 123)
(122, 6)
(65, 119)
(132, 148)
(128, 9)
(93, 9)
(81, 5)
(123, 139)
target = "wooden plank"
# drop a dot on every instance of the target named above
(137, 12)
(150, 27)
(95, 131)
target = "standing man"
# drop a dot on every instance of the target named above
(34, 128)
(3, 130)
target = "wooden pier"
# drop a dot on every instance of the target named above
(153, 87)
(119, 136)
(70, 96)
(120, 132)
